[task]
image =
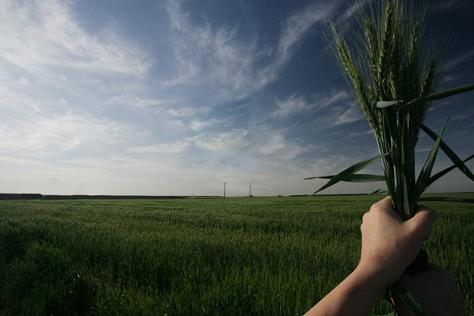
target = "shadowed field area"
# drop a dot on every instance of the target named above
(238, 256)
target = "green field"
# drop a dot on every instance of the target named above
(238, 256)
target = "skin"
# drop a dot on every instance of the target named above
(389, 245)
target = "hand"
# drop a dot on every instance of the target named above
(389, 244)
(435, 290)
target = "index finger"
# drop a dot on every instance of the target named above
(383, 204)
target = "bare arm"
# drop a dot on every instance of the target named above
(356, 295)
(389, 245)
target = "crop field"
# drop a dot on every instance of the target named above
(235, 256)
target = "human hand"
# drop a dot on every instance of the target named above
(389, 244)
(435, 290)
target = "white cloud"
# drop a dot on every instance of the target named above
(359, 134)
(45, 33)
(203, 53)
(198, 125)
(277, 149)
(60, 133)
(353, 9)
(188, 111)
(164, 149)
(48, 135)
(297, 26)
(347, 115)
(55, 78)
(463, 116)
(343, 20)
(294, 104)
(141, 102)
(450, 5)
(230, 67)
(232, 140)
(297, 104)
(333, 98)
(453, 63)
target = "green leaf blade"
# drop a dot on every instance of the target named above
(360, 177)
(407, 298)
(443, 94)
(449, 152)
(425, 173)
(347, 173)
(445, 171)
(386, 104)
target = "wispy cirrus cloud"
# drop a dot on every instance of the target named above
(293, 104)
(167, 149)
(229, 140)
(347, 115)
(453, 63)
(53, 135)
(352, 10)
(46, 34)
(450, 5)
(360, 134)
(205, 54)
(217, 56)
(142, 102)
(298, 25)
(92, 105)
(296, 103)
(55, 78)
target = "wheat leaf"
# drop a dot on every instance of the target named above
(443, 94)
(445, 171)
(407, 298)
(360, 177)
(450, 153)
(424, 177)
(386, 104)
(378, 192)
(347, 173)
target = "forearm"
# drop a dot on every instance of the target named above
(356, 295)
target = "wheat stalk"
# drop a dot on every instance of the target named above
(393, 74)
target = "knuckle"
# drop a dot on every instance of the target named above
(430, 215)
(365, 216)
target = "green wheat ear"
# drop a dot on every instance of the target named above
(389, 66)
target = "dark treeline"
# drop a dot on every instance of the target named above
(37, 196)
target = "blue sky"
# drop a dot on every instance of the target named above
(177, 97)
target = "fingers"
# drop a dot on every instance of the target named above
(363, 220)
(385, 207)
(421, 222)
(364, 216)
(384, 204)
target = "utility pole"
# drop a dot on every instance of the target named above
(224, 188)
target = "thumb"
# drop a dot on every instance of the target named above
(420, 224)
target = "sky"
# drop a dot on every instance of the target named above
(177, 97)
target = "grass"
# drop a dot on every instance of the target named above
(238, 256)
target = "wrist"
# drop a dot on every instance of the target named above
(373, 275)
